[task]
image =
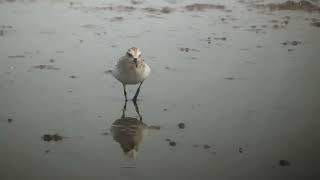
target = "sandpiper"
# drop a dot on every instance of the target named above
(131, 69)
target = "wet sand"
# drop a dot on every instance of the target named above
(233, 93)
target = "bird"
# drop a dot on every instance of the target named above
(130, 70)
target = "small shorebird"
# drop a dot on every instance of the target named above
(131, 69)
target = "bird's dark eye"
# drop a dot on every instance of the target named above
(129, 54)
(139, 55)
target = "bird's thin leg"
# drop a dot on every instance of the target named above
(125, 92)
(137, 93)
(124, 110)
(137, 109)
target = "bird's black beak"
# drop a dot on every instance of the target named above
(136, 62)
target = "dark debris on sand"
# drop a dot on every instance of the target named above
(47, 67)
(117, 18)
(4, 29)
(172, 143)
(106, 133)
(154, 127)
(163, 10)
(284, 163)
(315, 24)
(302, 5)
(17, 56)
(136, 2)
(293, 43)
(167, 10)
(119, 8)
(203, 7)
(182, 125)
(150, 9)
(222, 38)
(188, 49)
(53, 137)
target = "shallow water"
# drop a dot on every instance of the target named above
(247, 97)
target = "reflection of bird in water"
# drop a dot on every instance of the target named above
(131, 69)
(128, 132)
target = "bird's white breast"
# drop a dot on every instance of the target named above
(126, 72)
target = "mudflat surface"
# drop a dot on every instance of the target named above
(233, 93)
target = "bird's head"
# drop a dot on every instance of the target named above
(135, 54)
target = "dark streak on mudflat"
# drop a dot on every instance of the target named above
(182, 125)
(302, 5)
(17, 56)
(48, 67)
(284, 163)
(172, 143)
(53, 137)
(203, 7)
(128, 167)
(206, 146)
